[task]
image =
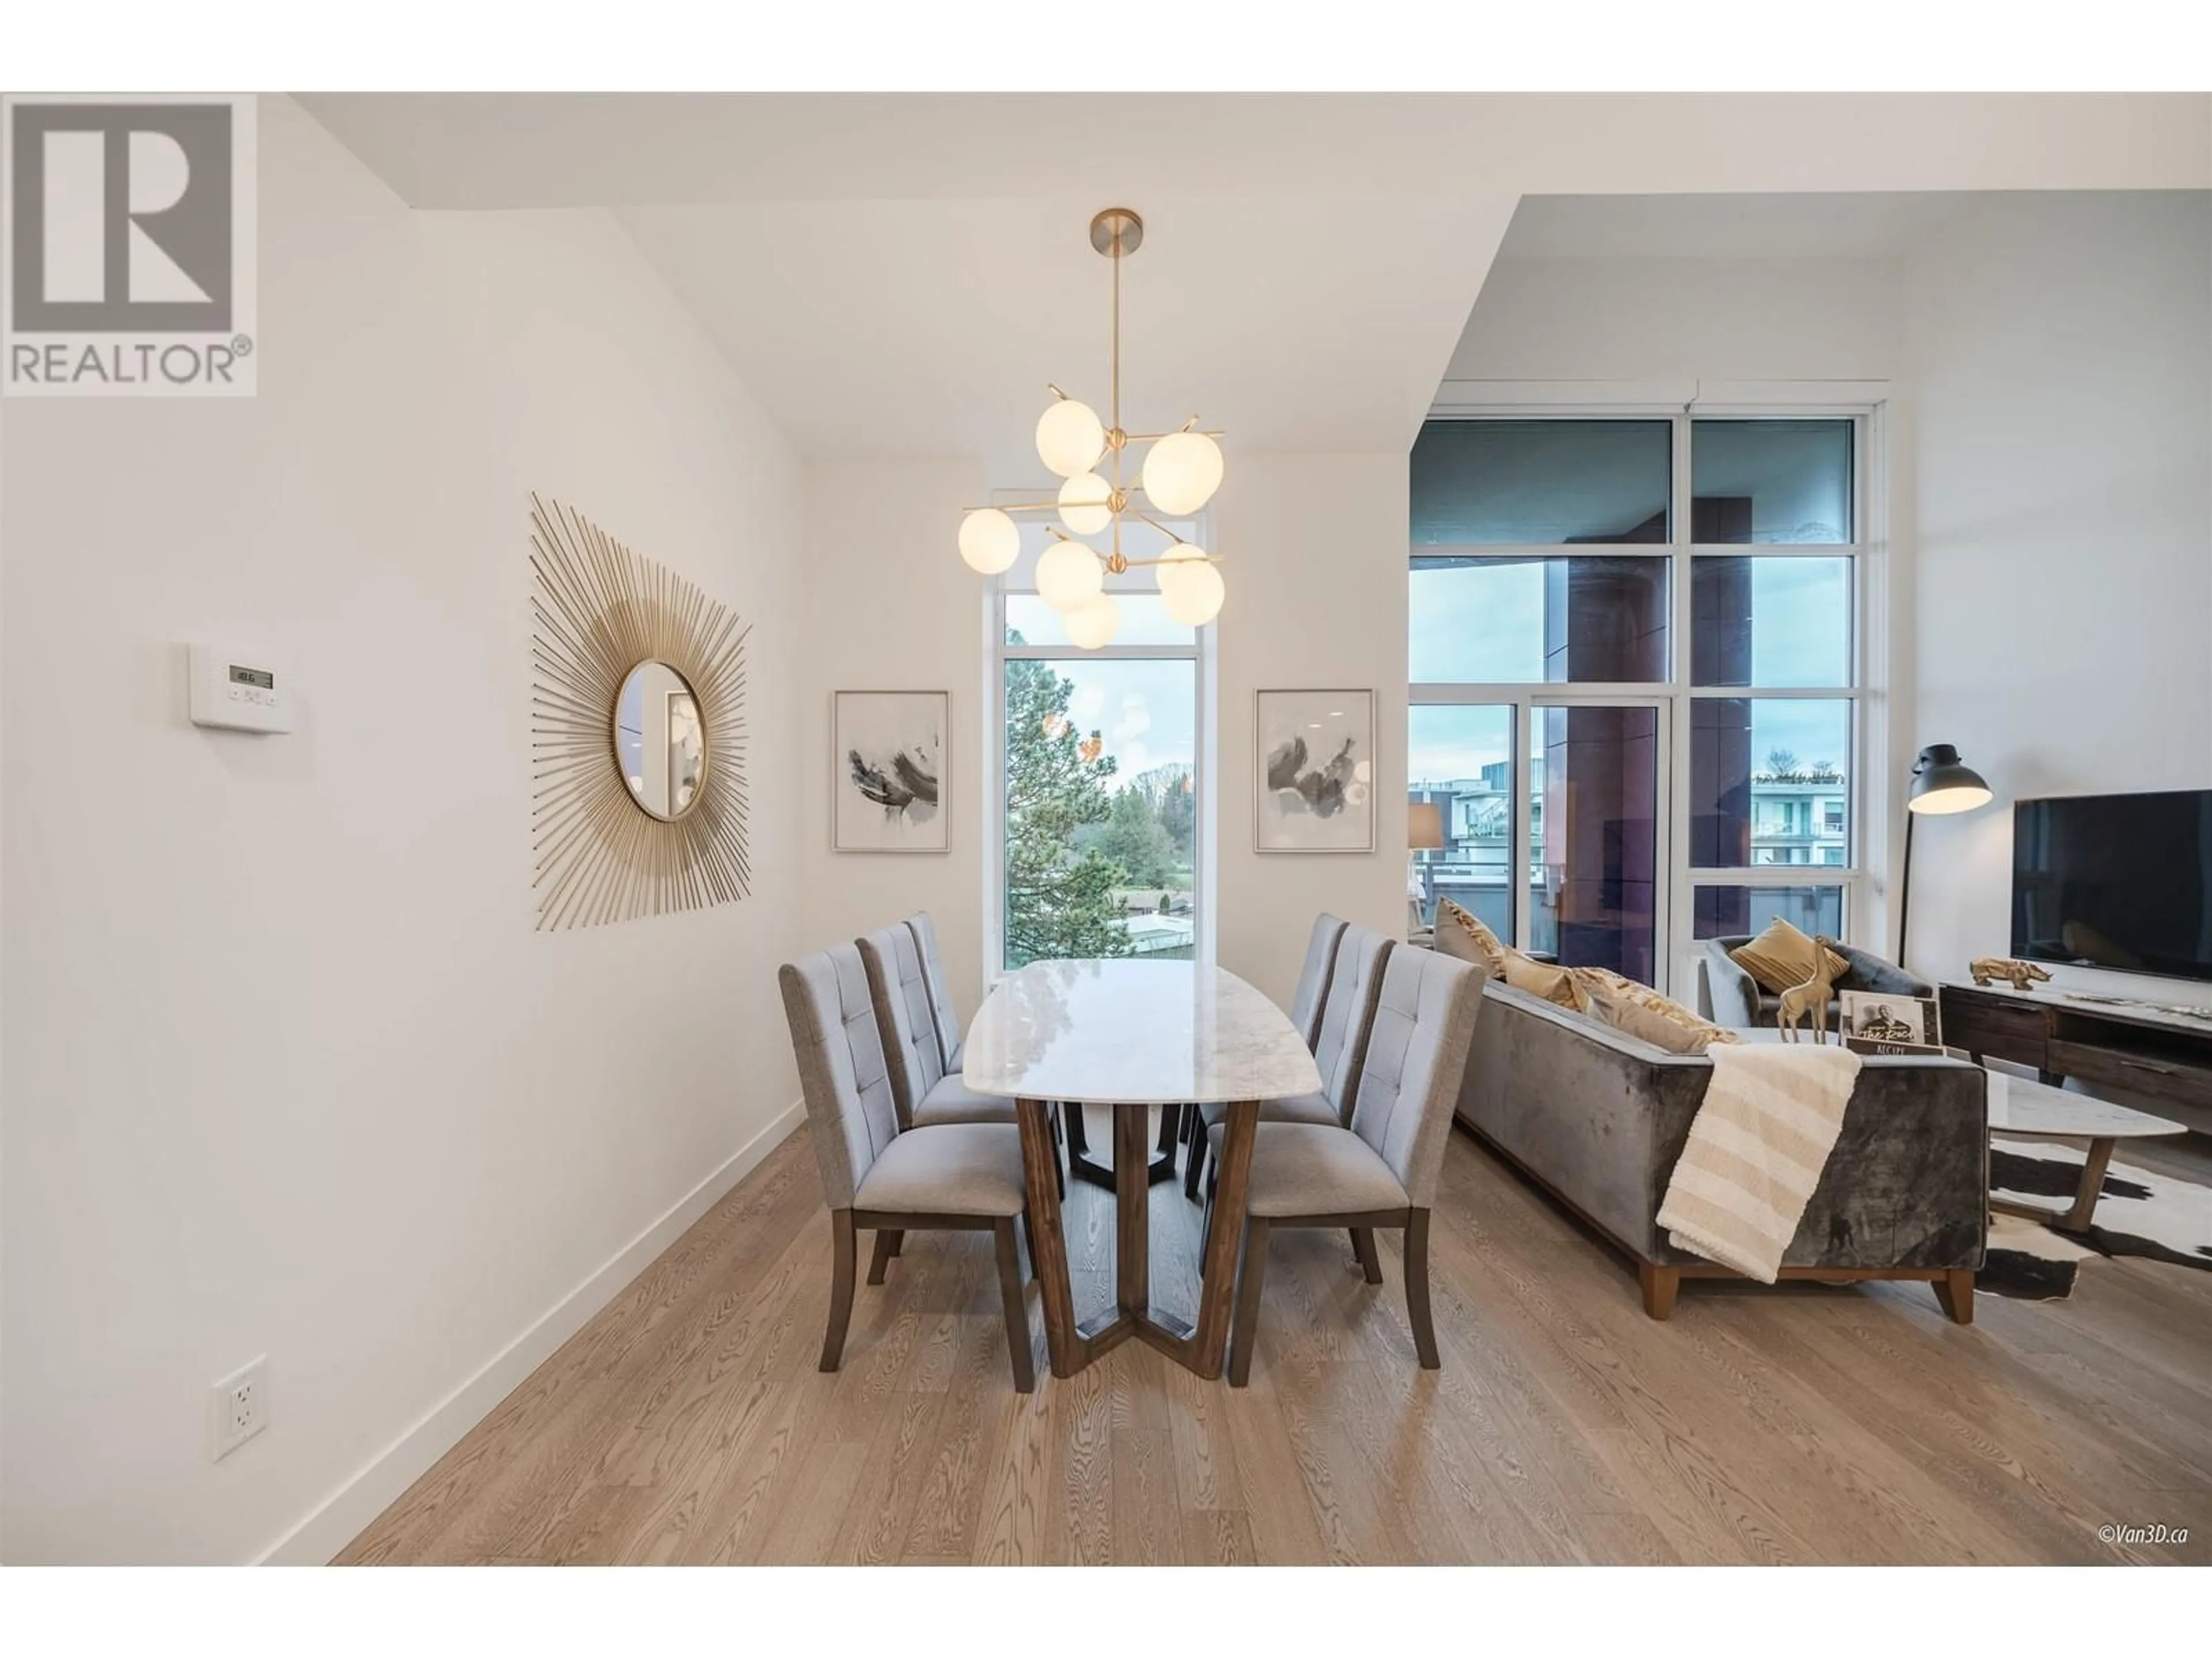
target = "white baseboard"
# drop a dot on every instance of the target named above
(340, 1517)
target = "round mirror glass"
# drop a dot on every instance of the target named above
(660, 746)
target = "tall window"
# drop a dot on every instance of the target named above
(1102, 801)
(1636, 677)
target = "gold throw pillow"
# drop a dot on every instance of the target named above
(1641, 1011)
(1462, 935)
(1782, 958)
(1544, 979)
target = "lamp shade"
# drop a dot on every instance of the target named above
(1425, 827)
(1943, 783)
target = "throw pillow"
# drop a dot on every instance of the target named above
(1544, 979)
(1461, 935)
(1782, 957)
(1642, 1012)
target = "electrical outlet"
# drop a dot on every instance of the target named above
(241, 1408)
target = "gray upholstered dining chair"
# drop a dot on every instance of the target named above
(950, 1042)
(1382, 1171)
(958, 1177)
(924, 1091)
(1336, 1031)
(1305, 1014)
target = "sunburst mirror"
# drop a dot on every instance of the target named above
(637, 731)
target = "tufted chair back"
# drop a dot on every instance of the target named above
(1416, 1056)
(1313, 978)
(949, 1040)
(1340, 1047)
(897, 986)
(842, 1069)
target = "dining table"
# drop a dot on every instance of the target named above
(1134, 1036)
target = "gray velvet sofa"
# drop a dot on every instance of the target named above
(1739, 1000)
(1599, 1118)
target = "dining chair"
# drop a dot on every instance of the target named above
(1382, 1171)
(1336, 1031)
(952, 1047)
(954, 1177)
(1305, 1014)
(922, 1089)
(950, 1043)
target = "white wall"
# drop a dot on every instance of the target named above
(2061, 352)
(890, 607)
(288, 1070)
(1651, 320)
(1314, 551)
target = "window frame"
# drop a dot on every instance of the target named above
(1866, 796)
(1199, 653)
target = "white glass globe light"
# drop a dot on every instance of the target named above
(1181, 471)
(1094, 623)
(1175, 562)
(1083, 504)
(1194, 593)
(1068, 573)
(1069, 438)
(990, 541)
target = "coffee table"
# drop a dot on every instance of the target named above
(2028, 1110)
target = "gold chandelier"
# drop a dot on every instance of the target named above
(1181, 471)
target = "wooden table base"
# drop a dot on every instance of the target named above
(1198, 1348)
(1081, 1166)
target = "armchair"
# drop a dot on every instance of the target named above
(1739, 1000)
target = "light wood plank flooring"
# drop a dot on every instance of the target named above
(686, 1422)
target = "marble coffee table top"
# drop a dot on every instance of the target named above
(2021, 1106)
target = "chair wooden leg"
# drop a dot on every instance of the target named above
(1417, 1287)
(1059, 1134)
(1194, 1162)
(1016, 1306)
(1362, 1246)
(1029, 1243)
(1171, 1129)
(1955, 1291)
(888, 1240)
(1660, 1286)
(1251, 1274)
(840, 1288)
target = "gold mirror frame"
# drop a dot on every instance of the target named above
(598, 610)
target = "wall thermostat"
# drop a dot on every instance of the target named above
(242, 691)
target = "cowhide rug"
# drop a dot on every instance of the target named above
(2139, 1213)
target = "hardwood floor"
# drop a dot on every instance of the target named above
(1803, 1423)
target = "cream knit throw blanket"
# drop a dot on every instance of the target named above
(1762, 1138)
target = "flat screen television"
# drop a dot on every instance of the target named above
(2120, 882)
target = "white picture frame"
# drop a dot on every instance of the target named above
(1314, 771)
(890, 771)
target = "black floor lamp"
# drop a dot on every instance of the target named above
(1941, 783)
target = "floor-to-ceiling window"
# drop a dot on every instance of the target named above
(1638, 676)
(1098, 850)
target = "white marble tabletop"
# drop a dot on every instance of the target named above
(1116, 1032)
(2021, 1106)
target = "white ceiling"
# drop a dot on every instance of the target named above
(899, 275)
(1297, 324)
(1832, 225)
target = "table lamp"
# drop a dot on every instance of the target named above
(1942, 784)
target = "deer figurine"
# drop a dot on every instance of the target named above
(1810, 998)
